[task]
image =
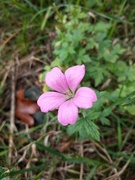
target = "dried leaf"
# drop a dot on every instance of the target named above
(25, 108)
(63, 147)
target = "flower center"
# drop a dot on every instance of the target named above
(69, 95)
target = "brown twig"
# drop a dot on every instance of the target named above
(117, 174)
(106, 153)
(9, 38)
(103, 150)
(12, 115)
(81, 165)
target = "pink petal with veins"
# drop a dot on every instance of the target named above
(56, 80)
(67, 113)
(84, 97)
(74, 76)
(50, 101)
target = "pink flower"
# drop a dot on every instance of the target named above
(65, 97)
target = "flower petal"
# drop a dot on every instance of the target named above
(67, 113)
(74, 75)
(56, 80)
(84, 97)
(50, 101)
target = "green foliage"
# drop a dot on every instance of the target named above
(18, 172)
(86, 129)
(71, 37)
(79, 40)
(1, 173)
(86, 126)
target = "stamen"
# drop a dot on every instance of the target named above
(69, 95)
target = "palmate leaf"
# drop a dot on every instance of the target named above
(97, 71)
(86, 129)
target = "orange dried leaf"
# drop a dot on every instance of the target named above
(63, 147)
(25, 108)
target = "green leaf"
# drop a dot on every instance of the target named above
(131, 109)
(98, 72)
(105, 121)
(3, 152)
(63, 54)
(122, 101)
(101, 26)
(34, 168)
(1, 171)
(55, 62)
(111, 54)
(93, 114)
(86, 129)
(106, 112)
(91, 173)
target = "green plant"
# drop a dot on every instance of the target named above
(79, 40)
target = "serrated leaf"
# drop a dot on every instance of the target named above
(101, 26)
(106, 112)
(56, 62)
(92, 130)
(105, 121)
(93, 114)
(102, 97)
(86, 129)
(98, 72)
(63, 54)
(74, 128)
